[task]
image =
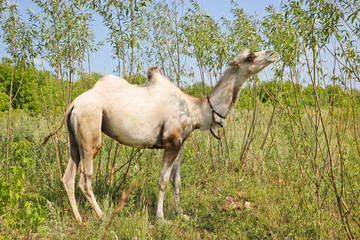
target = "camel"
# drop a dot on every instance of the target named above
(154, 115)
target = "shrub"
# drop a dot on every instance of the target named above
(20, 212)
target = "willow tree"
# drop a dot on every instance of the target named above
(243, 32)
(65, 40)
(124, 19)
(18, 37)
(318, 44)
(164, 44)
(201, 33)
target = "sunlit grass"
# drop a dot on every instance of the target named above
(269, 196)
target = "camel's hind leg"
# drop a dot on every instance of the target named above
(70, 173)
(86, 171)
(89, 141)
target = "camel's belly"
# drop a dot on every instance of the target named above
(140, 134)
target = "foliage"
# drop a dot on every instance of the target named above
(125, 22)
(165, 45)
(287, 166)
(35, 85)
(20, 212)
(197, 89)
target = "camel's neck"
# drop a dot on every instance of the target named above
(222, 98)
(226, 92)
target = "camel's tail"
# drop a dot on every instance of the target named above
(68, 111)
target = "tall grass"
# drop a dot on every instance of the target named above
(272, 194)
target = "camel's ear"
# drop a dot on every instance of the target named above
(234, 63)
(245, 51)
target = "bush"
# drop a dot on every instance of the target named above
(20, 212)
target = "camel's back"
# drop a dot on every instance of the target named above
(157, 87)
(104, 87)
(110, 83)
(158, 92)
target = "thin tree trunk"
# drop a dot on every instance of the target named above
(9, 112)
(113, 165)
(132, 39)
(268, 128)
(122, 44)
(122, 203)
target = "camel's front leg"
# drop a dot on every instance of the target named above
(171, 155)
(176, 179)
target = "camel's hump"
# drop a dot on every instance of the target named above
(155, 76)
(153, 71)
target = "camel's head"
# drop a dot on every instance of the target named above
(249, 64)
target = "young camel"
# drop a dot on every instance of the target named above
(154, 115)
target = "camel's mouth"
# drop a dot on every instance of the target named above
(272, 56)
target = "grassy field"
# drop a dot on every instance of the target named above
(270, 191)
(289, 163)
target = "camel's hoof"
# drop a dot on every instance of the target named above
(185, 217)
(178, 211)
(160, 220)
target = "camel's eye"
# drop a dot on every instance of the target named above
(251, 57)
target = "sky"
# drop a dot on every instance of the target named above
(102, 62)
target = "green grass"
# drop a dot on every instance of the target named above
(272, 195)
